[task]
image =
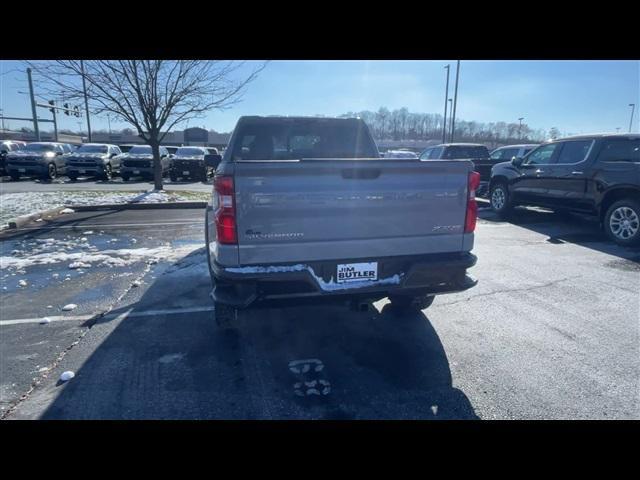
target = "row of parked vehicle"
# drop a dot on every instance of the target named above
(589, 174)
(47, 160)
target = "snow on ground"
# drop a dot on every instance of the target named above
(13, 205)
(111, 257)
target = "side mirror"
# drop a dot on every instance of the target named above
(212, 160)
(516, 161)
(58, 153)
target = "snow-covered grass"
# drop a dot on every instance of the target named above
(13, 205)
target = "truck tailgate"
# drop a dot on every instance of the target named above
(312, 210)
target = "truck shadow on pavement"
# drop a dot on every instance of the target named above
(561, 228)
(295, 362)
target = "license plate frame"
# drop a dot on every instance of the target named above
(357, 272)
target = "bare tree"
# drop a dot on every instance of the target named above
(153, 96)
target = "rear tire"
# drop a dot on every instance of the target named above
(73, 177)
(173, 177)
(15, 176)
(226, 316)
(622, 222)
(406, 304)
(500, 200)
(125, 177)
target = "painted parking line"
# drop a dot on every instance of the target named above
(109, 316)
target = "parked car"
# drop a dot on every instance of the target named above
(94, 159)
(138, 162)
(39, 159)
(126, 147)
(477, 153)
(6, 147)
(593, 174)
(400, 154)
(506, 153)
(188, 162)
(305, 208)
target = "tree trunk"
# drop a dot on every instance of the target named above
(157, 166)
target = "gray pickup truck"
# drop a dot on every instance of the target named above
(306, 208)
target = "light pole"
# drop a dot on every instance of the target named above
(520, 127)
(33, 106)
(633, 108)
(455, 101)
(450, 128)
(446, 96)
(86, 100)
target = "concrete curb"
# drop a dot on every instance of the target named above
(137, 206)
(23, 220)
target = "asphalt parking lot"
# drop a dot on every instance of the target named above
(551, 331)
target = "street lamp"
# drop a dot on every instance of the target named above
(633, 108)
(450, 120)
(446, 96)
(520, 127)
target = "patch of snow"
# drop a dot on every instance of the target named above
(75, 265)
(67, 210)
(66, 376)
(45, 320)
(136, 283)
(22, 283)
(88, 232)
(69, 307)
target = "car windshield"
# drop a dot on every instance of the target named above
(307, 138)
(92, 149)
(464, 151)
(39, 147)
(189, 151)
(141, 150)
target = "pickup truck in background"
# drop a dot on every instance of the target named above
(477, 153)
(306, 208)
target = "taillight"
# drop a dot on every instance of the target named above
(472, 206)
(225, 210)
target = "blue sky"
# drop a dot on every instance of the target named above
(574, 96)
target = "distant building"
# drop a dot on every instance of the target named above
(190, 136)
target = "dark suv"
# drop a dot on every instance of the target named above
(38, 159)
(593, 174)
(188, 162)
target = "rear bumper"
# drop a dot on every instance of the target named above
(410, 275)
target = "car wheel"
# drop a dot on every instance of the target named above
(173, 177)
(52, 172)
(499, 199)
(15, 176)
(125, 177)
(226, 316)
(622, 222)
(73, 177)
(108, 173)
(406, 304)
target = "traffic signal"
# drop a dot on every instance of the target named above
(66, 109)
(52, 103)
(76, 111)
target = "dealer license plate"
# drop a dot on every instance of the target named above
(357, 272)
